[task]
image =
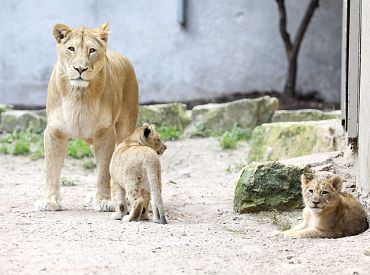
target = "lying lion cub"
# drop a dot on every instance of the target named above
(329, 213)
(136, 174)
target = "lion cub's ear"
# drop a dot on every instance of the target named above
(304, 180)
(336, 182)
(147, 132)
(60, 31)
(104, 31)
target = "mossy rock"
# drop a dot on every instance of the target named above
(5, 107)
(304, 115)
(16, 120)
(270, 185)
(283, 140)
(171, 115)
(246, 113)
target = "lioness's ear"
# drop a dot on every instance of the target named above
(60, 31)
(147, 132)
(104, 31)
(336, 182)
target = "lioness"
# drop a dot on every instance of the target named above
(329, 213)
(92, 95)
(136, 174)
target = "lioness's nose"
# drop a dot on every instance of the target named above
(315, 202)
(80, 70)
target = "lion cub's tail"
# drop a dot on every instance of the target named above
(153, 170)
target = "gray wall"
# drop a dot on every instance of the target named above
(228, 46)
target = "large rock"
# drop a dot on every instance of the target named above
(5, 107)
(17, 120)
(283, 140)
(304, 115)
(268, 185)
(172, 115)
(246, 113)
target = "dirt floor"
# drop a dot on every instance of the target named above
(203, 236)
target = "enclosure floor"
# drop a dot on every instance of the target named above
(203, 236)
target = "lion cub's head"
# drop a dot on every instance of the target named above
(81, 52)
(322, 192)
(150, 137)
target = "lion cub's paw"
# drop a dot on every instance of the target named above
(276, 233)
(44, 205)
(105, 206)
(116, 216)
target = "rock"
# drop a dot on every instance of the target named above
(246, 113)
(17, 120)
(268, 185)
(304, 115)
(282, 140)
(172, 115)
(4, 108)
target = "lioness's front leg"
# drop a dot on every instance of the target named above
(55, 143)
(103, 147)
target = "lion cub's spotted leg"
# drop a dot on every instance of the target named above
(145, 214)
(55, 144)
(103, 147)
(119, 197)
(137, 205)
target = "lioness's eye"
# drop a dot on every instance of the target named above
(92, 50)
(325, 192)
(310, 190)
(72, 49)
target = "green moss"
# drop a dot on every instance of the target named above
(168, 133)
(78, 149)
(88, 164)
(276, 141)
(67, 182)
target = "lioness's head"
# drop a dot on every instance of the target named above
(81, 52)
(151, 138)
(321, 192)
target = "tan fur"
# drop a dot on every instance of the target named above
(329, 213)
(136, 175)
(92, 95)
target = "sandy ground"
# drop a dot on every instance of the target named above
(203, 236)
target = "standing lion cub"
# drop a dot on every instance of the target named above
(136, 174)
(329, 213)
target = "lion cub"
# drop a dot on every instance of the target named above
(328, 212)
(136, 175)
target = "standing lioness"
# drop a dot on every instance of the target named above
(92, 95)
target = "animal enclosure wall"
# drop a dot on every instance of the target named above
(225, 46)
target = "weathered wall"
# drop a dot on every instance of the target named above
(362, 158)
(228, 46)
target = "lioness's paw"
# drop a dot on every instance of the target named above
(105, 206)
(44, 205)
(116, 216)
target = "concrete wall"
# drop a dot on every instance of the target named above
(362, 158)
(227, 46)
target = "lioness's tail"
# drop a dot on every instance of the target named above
(153, 170)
